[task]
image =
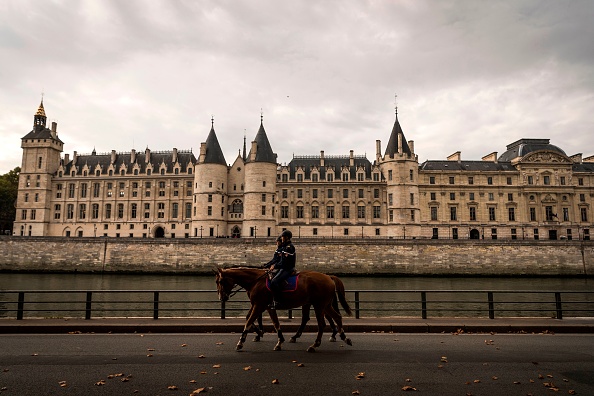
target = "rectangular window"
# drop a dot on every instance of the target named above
(472, 213)
(314, 177)
(376, 177)
(584, 214)
(263, 210)
(580, 181)
(299, 193)
(107, 211)
(329, 177)
(511, 212)
(565, 214)
(360, 212)
(263, 197)
(300, 177)
(284, 212)
(315, 212)
(188, 210)
(345, 192)
(491, 197)
(569, 234)
(390, 174)
(376, 193)
(95, 211)
(431, 179)
(330, 193)
(174, 210)
(209, 211)
(514, 234)
(70, 211)
(315, 230)
(299, 211)
(120, 211)
(452, 196)
(491, 213)
(535, 231)
(346, 232)
(562, 180)
(582, 197)
(390, 215)
(435, 233)
(471, 196)
(33, 214)
(452, 179)
(411, 175)
(412, 199)
(493, 233)
(549, 213)
(133, 210)
(434, 213)
(453, 215)
(412, 215)
(509, 181)
(432, 196)
(530, 179)
(345, 212)
(314, 193)
(377, 212)
(390, 200)
(470, 180)
(510, 197)
(83, 190)
(330, 212)
(546, 179)
(532, 214)
(285, 193)
(57, 210)
(345, 177)
(489, 180)
(361, 193)
(71, 190)
(96, 190)
(209, 197)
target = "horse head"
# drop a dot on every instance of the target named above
(224, 285)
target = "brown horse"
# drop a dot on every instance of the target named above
(314, 288)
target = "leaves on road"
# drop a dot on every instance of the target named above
(275, 381)
(408, 388)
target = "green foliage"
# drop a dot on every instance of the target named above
(9, 184)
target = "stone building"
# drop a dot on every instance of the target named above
(532, 191)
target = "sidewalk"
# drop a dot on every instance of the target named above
(235, 325)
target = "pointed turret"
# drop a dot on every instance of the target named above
(39, 120)
(214, 154)
(397, 142)
(261, 150)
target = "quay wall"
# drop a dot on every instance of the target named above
(337, 256)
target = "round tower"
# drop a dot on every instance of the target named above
(400, 168)
(260, 188)
(209, 212)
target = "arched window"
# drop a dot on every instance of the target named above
(237, 206)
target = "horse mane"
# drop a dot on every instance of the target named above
(239, 266)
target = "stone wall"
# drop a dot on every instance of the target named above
(338, 256)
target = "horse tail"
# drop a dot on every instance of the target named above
(341, 295)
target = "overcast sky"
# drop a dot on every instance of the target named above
(471, 76)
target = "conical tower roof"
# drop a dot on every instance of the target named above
(392, 146)
(264, 151)
(214, 154)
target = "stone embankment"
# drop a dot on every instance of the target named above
(337, 256)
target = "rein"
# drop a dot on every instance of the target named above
(238, 288)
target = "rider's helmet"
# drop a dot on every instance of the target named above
(287, 234)
(279, 239)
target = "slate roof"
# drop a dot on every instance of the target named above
(524, 146)
(583, 167)
(264, 152)
(472, 166)
(214, 154)
(332, 164)
(392, 146)
(184, 157)
(39, 130)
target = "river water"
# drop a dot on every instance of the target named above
(195, 296)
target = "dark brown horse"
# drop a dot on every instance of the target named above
(314, 289)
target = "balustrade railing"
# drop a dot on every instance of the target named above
(21, 304)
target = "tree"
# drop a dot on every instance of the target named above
(9, 185)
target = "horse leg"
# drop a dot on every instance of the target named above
(259, 330)
(319, 310)
(279, 332)
(254, 312)
(331, 313)
(304, 320)
(334, 329)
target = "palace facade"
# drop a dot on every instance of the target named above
(534, 190)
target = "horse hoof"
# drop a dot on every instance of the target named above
(256, 339)
(277, 348)
(348, 341)
(238, 347)
(311, 349)
(293, 340)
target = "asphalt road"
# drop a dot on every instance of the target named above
(376, 364)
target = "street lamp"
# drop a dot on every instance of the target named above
(217, 230)
(201, 228)
(255, 231)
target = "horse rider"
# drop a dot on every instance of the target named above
(285, 266)
(277, 254)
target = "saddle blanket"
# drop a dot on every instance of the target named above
(289, 285)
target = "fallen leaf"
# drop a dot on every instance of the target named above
(63, 384)
(184, 345)
(201, 356)
(149, 355)
(275, 381)
(203, 372)
(355, 392)
(572, 392)
(549, 376)
(99, 383)
(444, 359)
(151, 349)
(192, 381)
(494, 378)
(531, 381)
(540, 376)
(476, 381)
(172, 387)
(125, 379)
(293, 361)
(300, 365)
(440, 366)
(218, 343)
(408, 388)
(199, 390)
(34, 354)
(247, 368)
(216, 366)
(517, 382)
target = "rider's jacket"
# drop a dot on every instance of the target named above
(288, 257)
(275, 259)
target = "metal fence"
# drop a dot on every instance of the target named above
(22, 304)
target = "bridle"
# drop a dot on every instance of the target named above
(238, 288)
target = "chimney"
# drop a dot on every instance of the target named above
(411, 146)
(133, 156)
(66, 158)
(174, 156)
(400, 143)
(147, 154)
(322, 159)
(113, 156)
(253, 151)
(577, 158)
(455, 157)
(202, 153)
(491, 157)
(74, 156)
(378, 150)
(351, 158)
(54, 129)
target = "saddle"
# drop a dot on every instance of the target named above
(289, 285)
